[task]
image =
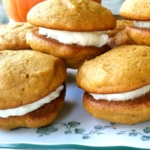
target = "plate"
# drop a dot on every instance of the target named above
(75, 128)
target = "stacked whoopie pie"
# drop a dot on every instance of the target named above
(74, 30)
(32, 88)
(138, 11)
(117, 85)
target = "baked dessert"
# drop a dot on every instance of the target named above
(120, 25)
(32, 88)
(118, 36)
(74, 30)
(121, 38)
(13, 36)
(139, 13)
(117, 85)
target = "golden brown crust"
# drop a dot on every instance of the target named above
(27, 76)
(135, 10)
(122, 69)
(73, 55)
(121, 25)
(126, 112)
(38, 118)
(70, 15)
(139, 36)
(13, 36)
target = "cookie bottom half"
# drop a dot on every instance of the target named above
(38, 118)
(123, 112)
(73, 55)
(139, 36)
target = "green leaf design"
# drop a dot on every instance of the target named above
(86, 137)
(122, 132)
(133, 134)
(46, 130)
(98, 127)
(145, 138)
(79, 131)
(73, 124)
(71, 128)
(63, 124)
(146, 130)
(68, 132)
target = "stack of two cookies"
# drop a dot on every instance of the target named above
(137, 11)
(32, 82)
(137, 30)
(32, 89)
(73, 30)
(117, 84)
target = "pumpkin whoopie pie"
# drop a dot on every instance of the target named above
(32, 88)
(117, 85)
(74, 30)
(138, 11)
(13, 36)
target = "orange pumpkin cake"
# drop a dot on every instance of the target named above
(31, 93)
(117, 85)
(73, 30)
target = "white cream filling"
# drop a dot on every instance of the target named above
(122, 96)
(22, 110)
(95, 38)
(142, 24)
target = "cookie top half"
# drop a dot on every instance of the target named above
(136, 10)
(13, 36)
(27, 76)
(71, 15)
(121, 69)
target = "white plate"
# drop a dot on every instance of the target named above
(75, 127)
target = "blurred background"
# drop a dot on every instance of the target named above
(3, 15)
(113, 5)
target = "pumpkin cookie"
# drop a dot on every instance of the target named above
(71, 30)
(13, 36)
(139, 13)
(117, 85)
(32, 93)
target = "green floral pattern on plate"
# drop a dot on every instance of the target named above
(73, 128)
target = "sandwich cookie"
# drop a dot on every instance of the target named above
(74, 30)
(138, 11)
(32, 88)
(13, 36)
(117, 85)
